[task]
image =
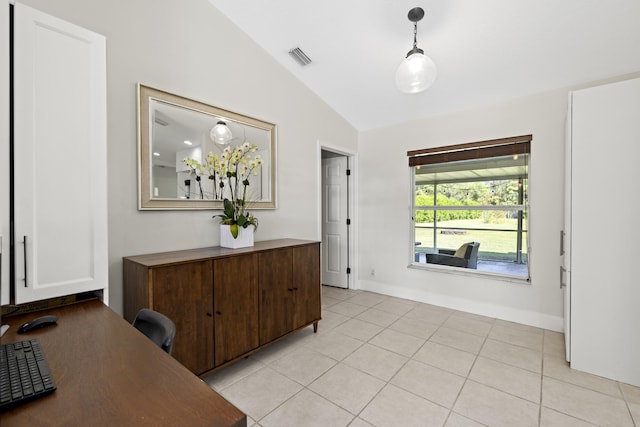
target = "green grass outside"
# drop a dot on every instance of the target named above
(494, 245)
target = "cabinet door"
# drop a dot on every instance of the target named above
(276, 293)
(184, 293)
(235, 301)
(604, 285)
(4, 156)
(60, 151)
(306, 285)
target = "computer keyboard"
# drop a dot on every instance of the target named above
(24, 373)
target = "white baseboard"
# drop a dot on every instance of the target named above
(510, 314)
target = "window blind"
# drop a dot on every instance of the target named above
(511, 146)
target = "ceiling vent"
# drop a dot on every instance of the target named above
(300, 57)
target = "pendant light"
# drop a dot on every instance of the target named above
(220, 133)
(417, 72)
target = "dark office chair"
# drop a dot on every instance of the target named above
(466, 256)
(157, 327)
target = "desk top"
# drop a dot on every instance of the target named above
(108, 373)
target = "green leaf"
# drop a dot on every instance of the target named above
(242, 220)
(234, 230)
(228, 208)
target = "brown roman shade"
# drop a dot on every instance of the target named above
(511, 146)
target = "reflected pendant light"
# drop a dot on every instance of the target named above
(220, 133)
(417, 72)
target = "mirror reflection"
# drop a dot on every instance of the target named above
(183, 146)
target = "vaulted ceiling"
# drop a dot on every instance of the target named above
(486, 51)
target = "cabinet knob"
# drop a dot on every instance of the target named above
(218, 312)
(209, 314)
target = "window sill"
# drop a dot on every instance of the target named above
(470, 272)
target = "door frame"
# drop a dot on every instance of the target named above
(352, 188)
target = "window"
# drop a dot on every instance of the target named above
(470, 206)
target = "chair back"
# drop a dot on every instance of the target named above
(471, 254)
(157, 327)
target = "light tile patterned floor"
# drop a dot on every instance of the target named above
(383, 361)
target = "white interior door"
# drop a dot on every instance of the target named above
(335, 242)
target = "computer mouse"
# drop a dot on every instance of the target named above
(37, 323)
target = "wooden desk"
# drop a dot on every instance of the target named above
(108, 373)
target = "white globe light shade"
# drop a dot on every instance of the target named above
(220, 134)
(416, 73)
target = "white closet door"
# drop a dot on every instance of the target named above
(565, 251)
(605, 292)
(60, 157)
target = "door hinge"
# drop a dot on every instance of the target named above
(348, 172)
(348, 221)
(348, 270)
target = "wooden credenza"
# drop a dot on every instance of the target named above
(227, 303)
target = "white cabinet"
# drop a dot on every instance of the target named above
(4, 156)
(602, 256)
(60, 178)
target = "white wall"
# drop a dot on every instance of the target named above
(189, 48)
(384, 208)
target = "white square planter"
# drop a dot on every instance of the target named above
(244, 239)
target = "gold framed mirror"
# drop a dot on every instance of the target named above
(172, 128)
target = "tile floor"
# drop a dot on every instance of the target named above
(384, 361)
